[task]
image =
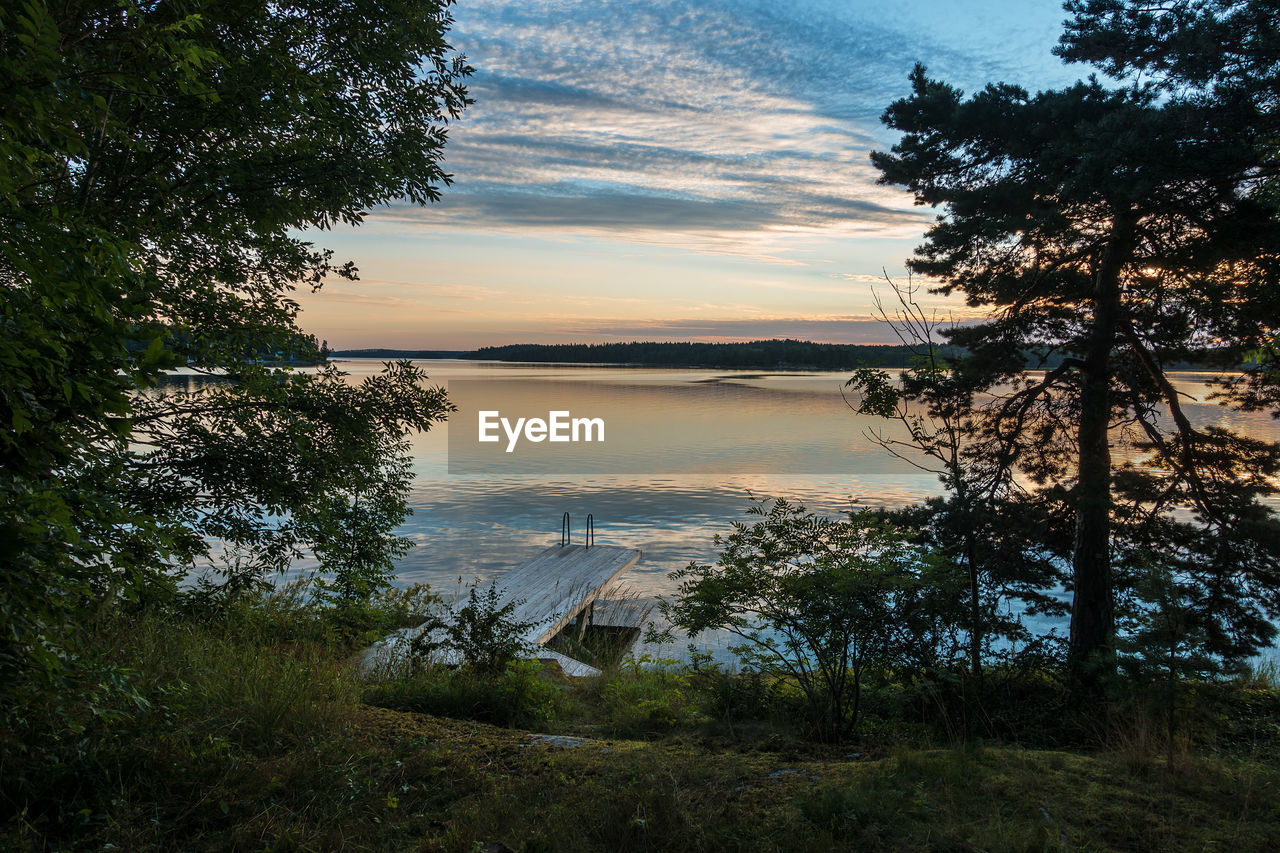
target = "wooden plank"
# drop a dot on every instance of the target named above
(620, 613)
(558, 584)
(550, 590)
(569, 666)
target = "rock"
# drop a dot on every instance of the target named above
(565, 741)
(778, 774)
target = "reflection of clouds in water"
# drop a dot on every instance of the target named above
(477, 528)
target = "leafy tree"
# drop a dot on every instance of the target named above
(1224, 50)
(160, 161)
(1222, 56)
(821, 602)
(276, 462)
(1112, 233)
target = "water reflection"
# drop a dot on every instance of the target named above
(476, 526)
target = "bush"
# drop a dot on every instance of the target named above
(817, 602)
(291, 613)
(189, 698)
(649, 696)
(481, 634)
(522, 694)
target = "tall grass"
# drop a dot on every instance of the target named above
(180, 702)
(524, 693)
(242, 728)
(1263, 674)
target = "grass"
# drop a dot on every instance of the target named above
(405, 781)
(255, 731)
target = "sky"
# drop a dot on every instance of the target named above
(671, 170)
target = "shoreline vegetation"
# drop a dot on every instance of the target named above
(249, 725)
(777, 354)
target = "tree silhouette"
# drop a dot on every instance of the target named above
(1112, 233)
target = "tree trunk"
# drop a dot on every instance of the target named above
(1092, 609)
(975, 609)
(968, 521)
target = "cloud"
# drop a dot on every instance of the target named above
(685, 117)
(857, 329)
(634, 209)
(416, 290)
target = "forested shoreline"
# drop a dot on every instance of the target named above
(770, 354)
(763, 355)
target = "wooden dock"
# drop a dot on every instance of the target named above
(552, 589)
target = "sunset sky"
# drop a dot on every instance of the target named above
(670, 170)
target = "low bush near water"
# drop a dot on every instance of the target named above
(522, 694)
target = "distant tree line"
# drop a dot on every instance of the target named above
(774, 354)
(398, 353)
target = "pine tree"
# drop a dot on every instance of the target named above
(1111, 233)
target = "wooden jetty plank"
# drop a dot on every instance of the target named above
(569, 666)
(620, 612)
(552, 589)
(560, 583)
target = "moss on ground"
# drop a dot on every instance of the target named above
(244, 742)
(405, 781)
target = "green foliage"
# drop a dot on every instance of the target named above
(402, 607)
(480, 635)
(819, 601)
(1001, 538)
(647, 696)
(159, 162)
(601, 646)
(249, 734)
(166, 693)
(1115, 233)
(271, 463)
(1223, 50)
(519, 694)
(294, 612)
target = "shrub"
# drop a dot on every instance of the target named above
(815, 601)
(648, 696)
(482, 634)
(521, 694)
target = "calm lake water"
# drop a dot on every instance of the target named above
(711, 439)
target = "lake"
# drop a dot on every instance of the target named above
(686, 451)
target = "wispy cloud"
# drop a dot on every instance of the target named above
(856, 329)
(687, 121)
(702, 161)
(415, 290)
